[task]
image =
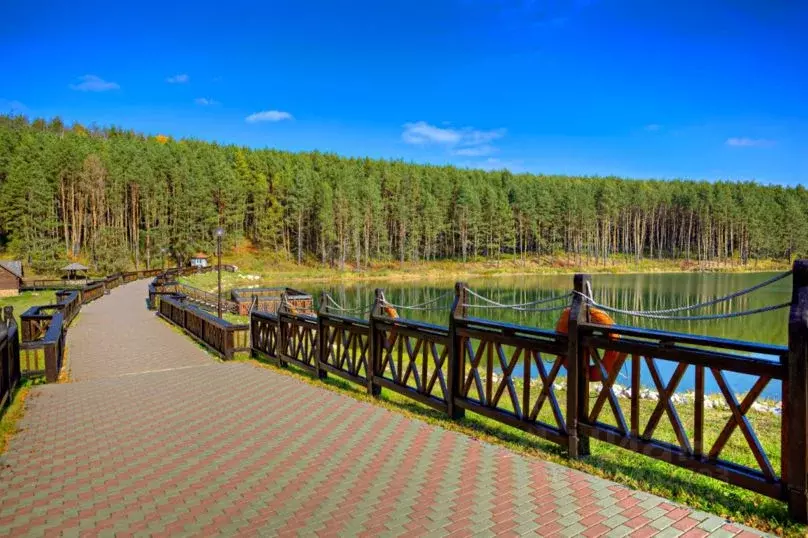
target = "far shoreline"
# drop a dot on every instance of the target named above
(279, 271)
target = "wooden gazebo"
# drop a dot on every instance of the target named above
(73, 269)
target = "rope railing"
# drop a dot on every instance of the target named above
(711, 302)
(361, 309)
(664, 314)
(425, 306)
(666, 317)
(484, 302)
(521, 307)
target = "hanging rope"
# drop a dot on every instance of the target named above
(547, 309)
(422, 306)
(685, 318)
(362, 309)
(519, 306)
(711, 302)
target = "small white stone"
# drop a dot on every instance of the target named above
(760, 407)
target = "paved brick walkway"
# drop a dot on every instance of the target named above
(155, 437)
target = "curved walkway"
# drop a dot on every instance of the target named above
(154, 436)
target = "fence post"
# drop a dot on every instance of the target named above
(183, 304)
(374, 344)
(577, 370)
(322, 355)
(229, 343)
(456, 352)
(796, 410)
(11, 370)
(280, 347)
(51, 367)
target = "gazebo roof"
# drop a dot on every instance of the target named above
(200, 255)
(75, 267)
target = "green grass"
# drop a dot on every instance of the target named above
(12, 414)
(608, 461)
(235, 318)
(33, 360)
(26, 300)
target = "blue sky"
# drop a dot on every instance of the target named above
(705, 90)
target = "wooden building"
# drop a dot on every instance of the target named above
(199, 260)
(11, 275)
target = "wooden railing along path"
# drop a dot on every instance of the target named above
(513, 374)
(9, 356)
(222, 336)
(43, 328)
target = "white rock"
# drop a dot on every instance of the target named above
(762, 408)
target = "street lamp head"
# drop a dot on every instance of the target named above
(219, 232)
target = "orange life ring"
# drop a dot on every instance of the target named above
(610, 358)
(390, 312)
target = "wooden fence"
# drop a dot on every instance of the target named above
(44, 328)
(9, 356)
(205, 299)
(269, 300)
(223, 337)
(512, 373)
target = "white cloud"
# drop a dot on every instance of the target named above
(467, 142)
(743, 142)
(653, 127)
(182, 78)
(472, 137)
(204, 101)
(93, 83)
(421, 132)
(269, 115)
(475, 151)
(11, 107)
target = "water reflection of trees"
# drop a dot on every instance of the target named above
(632, 292)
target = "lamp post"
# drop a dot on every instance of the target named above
(219, 234)
(177, 257)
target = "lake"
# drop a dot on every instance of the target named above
(626, 291)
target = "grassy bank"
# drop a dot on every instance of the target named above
(12, 414)
(271, 270)
(622, 466)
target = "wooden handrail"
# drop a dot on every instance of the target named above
(475, 363)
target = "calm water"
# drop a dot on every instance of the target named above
(634, 292)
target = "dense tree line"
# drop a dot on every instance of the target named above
(117, 198)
